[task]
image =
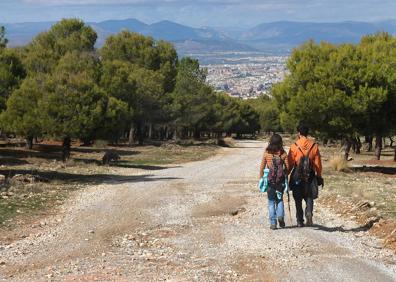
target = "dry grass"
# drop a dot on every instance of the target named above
(365, 180)
(81, 170)
(338, 163)
(229, 142)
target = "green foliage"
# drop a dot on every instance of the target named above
(3, 39)
(376, 97)
(74, 105)
(133, 48)
(192, 99)
(115, 119)
(340, 90)
(49, 47)
(140, 72)
(133, 83)
(21, 116)
(196, 108)
(268, 113)
(11, 74)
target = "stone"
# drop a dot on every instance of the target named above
(2, 179)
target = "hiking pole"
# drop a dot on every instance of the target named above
(288, 203)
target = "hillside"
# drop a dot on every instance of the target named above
(185, 38)
(282, 35)
(290, 34)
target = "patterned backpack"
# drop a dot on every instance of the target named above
(277, 174)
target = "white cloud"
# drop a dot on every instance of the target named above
(166, 2)
(93, 2)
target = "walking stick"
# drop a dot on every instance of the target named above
(288, 203)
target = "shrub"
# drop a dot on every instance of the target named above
(338, 163)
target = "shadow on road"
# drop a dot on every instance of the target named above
(377, 169)
(86, 178)
(342, 229)
(144, 167)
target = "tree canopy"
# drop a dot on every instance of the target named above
(341, 91)
(60, 86)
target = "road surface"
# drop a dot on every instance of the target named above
(201, 221)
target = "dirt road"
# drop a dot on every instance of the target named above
(202, 221)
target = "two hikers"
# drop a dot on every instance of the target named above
(305, 166)
(275, 159)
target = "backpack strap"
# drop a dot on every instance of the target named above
(299, 148)
(267, 165)
(309, 151)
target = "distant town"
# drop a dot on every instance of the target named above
(244, 75)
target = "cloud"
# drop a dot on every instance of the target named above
(199, 12)
(168, 2)
(97, 2)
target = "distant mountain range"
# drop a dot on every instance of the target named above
(290, 34)
(276, 36)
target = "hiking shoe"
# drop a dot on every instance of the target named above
(281, 222)
(300, 224)
(273, 227)
(309, 220)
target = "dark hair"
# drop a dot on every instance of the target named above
(303, 129)
(275, 144)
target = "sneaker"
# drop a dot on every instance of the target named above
(273, 227)
(300, 224)
(281, 221)
(309, 220)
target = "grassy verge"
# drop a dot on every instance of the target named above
(45, 182)
(364, 190)
(365, 180)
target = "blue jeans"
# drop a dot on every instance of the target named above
(276, 210)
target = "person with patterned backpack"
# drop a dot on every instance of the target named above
(305, 160)
(276, 164)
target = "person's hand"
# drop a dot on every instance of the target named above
(320, 181)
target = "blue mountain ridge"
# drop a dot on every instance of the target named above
(265, 37)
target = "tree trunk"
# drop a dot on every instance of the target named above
(29, 142)
(347, 148)
(378, 146)
(394, 156)
(175, 135)
(140, 133)
(165, 134)
(131, 139)
(358, 145)
(87, 142)
(353, 144)
(369, 141)
(66, 149)
(197, 134)
(150, 131)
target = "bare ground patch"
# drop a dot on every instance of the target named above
(366, 194)
(222, 205)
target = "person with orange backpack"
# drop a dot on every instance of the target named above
(305, 160)
(275, 169)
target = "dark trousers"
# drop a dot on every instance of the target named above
(300, 194)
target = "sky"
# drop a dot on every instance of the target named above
(198, 13)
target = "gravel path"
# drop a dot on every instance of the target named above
(202, 221)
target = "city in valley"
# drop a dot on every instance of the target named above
(243, 75)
